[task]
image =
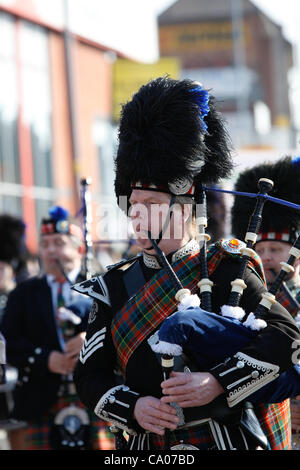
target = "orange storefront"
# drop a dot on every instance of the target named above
(55, 103)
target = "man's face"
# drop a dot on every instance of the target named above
(271, 254)
(59, 247)
(149, 211)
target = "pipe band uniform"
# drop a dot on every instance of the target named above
(44, 326)
(172, 145)
(277, 243)
(280, 225)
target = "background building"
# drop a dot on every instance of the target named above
(66, 66)
(234, 48)
(55, 108)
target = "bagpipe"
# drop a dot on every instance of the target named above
(189, 319)
(71, 428)
(193, 330)
(231, 314)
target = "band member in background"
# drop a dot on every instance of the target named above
(13, 254)
(44, 326)
(279, 230)
(171, 141)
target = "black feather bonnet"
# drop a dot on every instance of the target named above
(171, 132)
(278, 221)
(12, 240)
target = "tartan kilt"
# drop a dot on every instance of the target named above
(274, 420)
(37, 432)
(199, 436)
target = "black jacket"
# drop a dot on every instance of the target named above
(30, 332)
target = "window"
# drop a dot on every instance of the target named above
(36, 99)
(9, 155)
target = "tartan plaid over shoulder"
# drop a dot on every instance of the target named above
(288, 302)
(155, 301)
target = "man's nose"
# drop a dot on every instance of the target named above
(266, 256)
(50, 249)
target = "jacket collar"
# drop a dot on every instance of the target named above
(151, 261)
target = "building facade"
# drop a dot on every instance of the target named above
(234, 49)
(55, 114)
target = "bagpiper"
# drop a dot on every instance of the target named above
(172, 141)
(44, 327)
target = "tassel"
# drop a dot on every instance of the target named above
(189, 301)
(254, 323)
(67, 315)
(232, 312)
(170, 349)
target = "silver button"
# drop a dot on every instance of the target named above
(31, 360)
(25, 379)
(38, 350)
(104, 413)
(240, 364)
(125, 388)
(113, 429)
(112, 399)
(255, 374)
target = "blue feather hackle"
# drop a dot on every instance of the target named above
(202, 99)
(296, 162)
(58, 213)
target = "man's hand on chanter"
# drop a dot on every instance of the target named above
(190, 389)
(155, 416)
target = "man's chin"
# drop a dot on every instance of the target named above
(53, 267)
(145, 245)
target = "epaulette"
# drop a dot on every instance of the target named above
(96, 286)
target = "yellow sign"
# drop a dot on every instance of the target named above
(281, 120)
(195, 37)
(129, 76)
